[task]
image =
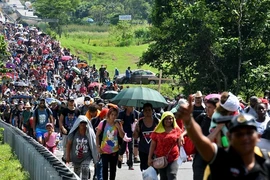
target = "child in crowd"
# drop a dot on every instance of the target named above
(51, 139)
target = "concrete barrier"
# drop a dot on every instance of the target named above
(35, 158)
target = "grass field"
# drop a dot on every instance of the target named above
(103, 51)
(95, 40)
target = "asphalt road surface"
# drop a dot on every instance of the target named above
(184, 172)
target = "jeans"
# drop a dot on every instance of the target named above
(112, 159)
(99, 170)
(130, 149)
(169, 172)
(64, 142)
(198, 167)
(82, 167)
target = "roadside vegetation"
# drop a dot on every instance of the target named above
(10, 167)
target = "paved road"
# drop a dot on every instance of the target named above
(184, 173)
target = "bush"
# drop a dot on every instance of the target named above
(10, 167)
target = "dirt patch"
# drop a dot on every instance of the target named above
(133, 58)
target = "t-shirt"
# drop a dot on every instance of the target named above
(52, 140)
(26, 116)
(197, 110)
(165, 142)
(227, 164)
(204, 121)
(80, 149)
(70, 117)
(128, 121)
(42, 119)
(261, 126)
(109, 143)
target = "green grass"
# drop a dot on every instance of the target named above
(95, 40)
(10, 167)
(102, 54)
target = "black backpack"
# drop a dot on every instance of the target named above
(120, 140)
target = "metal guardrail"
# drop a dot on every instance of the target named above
(35, 158)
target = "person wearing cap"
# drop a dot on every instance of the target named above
(198, 106)
(253, 101)
(26, 115)
(50, 138)
(67, 118)
(239, 161)
(87, 102)
(81, 147)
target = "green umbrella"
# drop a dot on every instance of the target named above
(137, 97)
(77, 70)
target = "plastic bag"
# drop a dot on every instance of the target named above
(127, 139)
(183, 156)
(149, 174)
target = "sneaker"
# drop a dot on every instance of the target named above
(136, 160)
(130, 168)
(119, 164)
(119, 161)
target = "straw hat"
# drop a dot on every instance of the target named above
(198, 94)
(27, 105)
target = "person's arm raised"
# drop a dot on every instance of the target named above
(202, 143)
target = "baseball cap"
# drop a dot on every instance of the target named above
(242, 120)
(49, 124)
(71, 98)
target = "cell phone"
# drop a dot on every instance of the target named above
(117, 120)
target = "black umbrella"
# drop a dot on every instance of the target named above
(20, 51)
(109, 94)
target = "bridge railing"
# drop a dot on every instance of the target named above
(35, 158)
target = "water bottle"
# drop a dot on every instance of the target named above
(224, 140)
(60, 144)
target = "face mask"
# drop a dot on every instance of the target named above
(87, 102)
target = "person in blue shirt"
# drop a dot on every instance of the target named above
(50, 87)
(128, 75)
(116, 73)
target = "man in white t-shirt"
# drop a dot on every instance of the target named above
(262, 119)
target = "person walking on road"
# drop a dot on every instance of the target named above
(81, 146)
(67, 119)
(41, 116)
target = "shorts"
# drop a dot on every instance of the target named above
(40, 133)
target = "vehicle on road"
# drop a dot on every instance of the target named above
(138, 76)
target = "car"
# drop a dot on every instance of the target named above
(138, 76)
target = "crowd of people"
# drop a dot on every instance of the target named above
(47, 79)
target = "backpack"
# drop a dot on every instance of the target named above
(36, 114)
(120, 140)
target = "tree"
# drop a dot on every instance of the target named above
(59, 10)
(4, 54)
(205, 43)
